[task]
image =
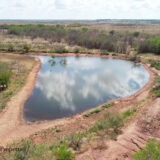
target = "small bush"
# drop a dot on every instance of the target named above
(107, 105)
(75, 141)
(58, 130)
(27, 148)
(110, 123)
(157, 80)
(60, 49)
(114, 54)
(26, 48)
(104, 52)
(129, 112)
(97, 110)
(5, 75)
(156, 91)
(155, 64)
(10, 48)
(150, 152)
(77, 50)
(62, 152)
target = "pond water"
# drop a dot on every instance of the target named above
(71, 85)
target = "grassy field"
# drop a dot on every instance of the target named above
(20, 66)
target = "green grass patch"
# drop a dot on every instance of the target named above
(58, 130)
(5, 75)
(62, 152)
(104, 52)
(156, 91)
(30, 151)
(150, 152)
(95, 111)
(155, 64)
(114, 54)
(107, 105)
(157, 80)
(129, 112)
(110, 124)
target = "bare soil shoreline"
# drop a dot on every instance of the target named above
(14, 127)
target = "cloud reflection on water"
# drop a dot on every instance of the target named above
(81, 82)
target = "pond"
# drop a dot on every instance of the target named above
(69, 85)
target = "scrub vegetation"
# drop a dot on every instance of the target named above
(150, 151)
(64, 38)
(13, 72)
(66, 148)
(156, 87)
(5, 75)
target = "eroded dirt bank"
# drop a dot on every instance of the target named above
(13, 127)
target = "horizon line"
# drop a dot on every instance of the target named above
(79, 19)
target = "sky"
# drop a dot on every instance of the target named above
(79, 9)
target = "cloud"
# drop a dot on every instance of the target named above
(79, 9)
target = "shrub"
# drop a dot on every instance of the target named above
(58, 130)
(97, 110)
(75, 141)
(157, 80)
(10, 48)
(104, 52)
(27, 147)
(150, 152)
(156, 91)
(62, 152)
(114, 54)
(107, 105)
(112, 32)
(27, 150)
(129, 112)
(60, 49)
(77, 50)
(5, 75)
(155, 64)
(111, 124)
(155, 45)
(136, 34)
(26, 48)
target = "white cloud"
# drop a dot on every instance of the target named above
(79, 9)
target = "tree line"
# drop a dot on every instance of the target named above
(112, 41)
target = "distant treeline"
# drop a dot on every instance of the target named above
(111, 41)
